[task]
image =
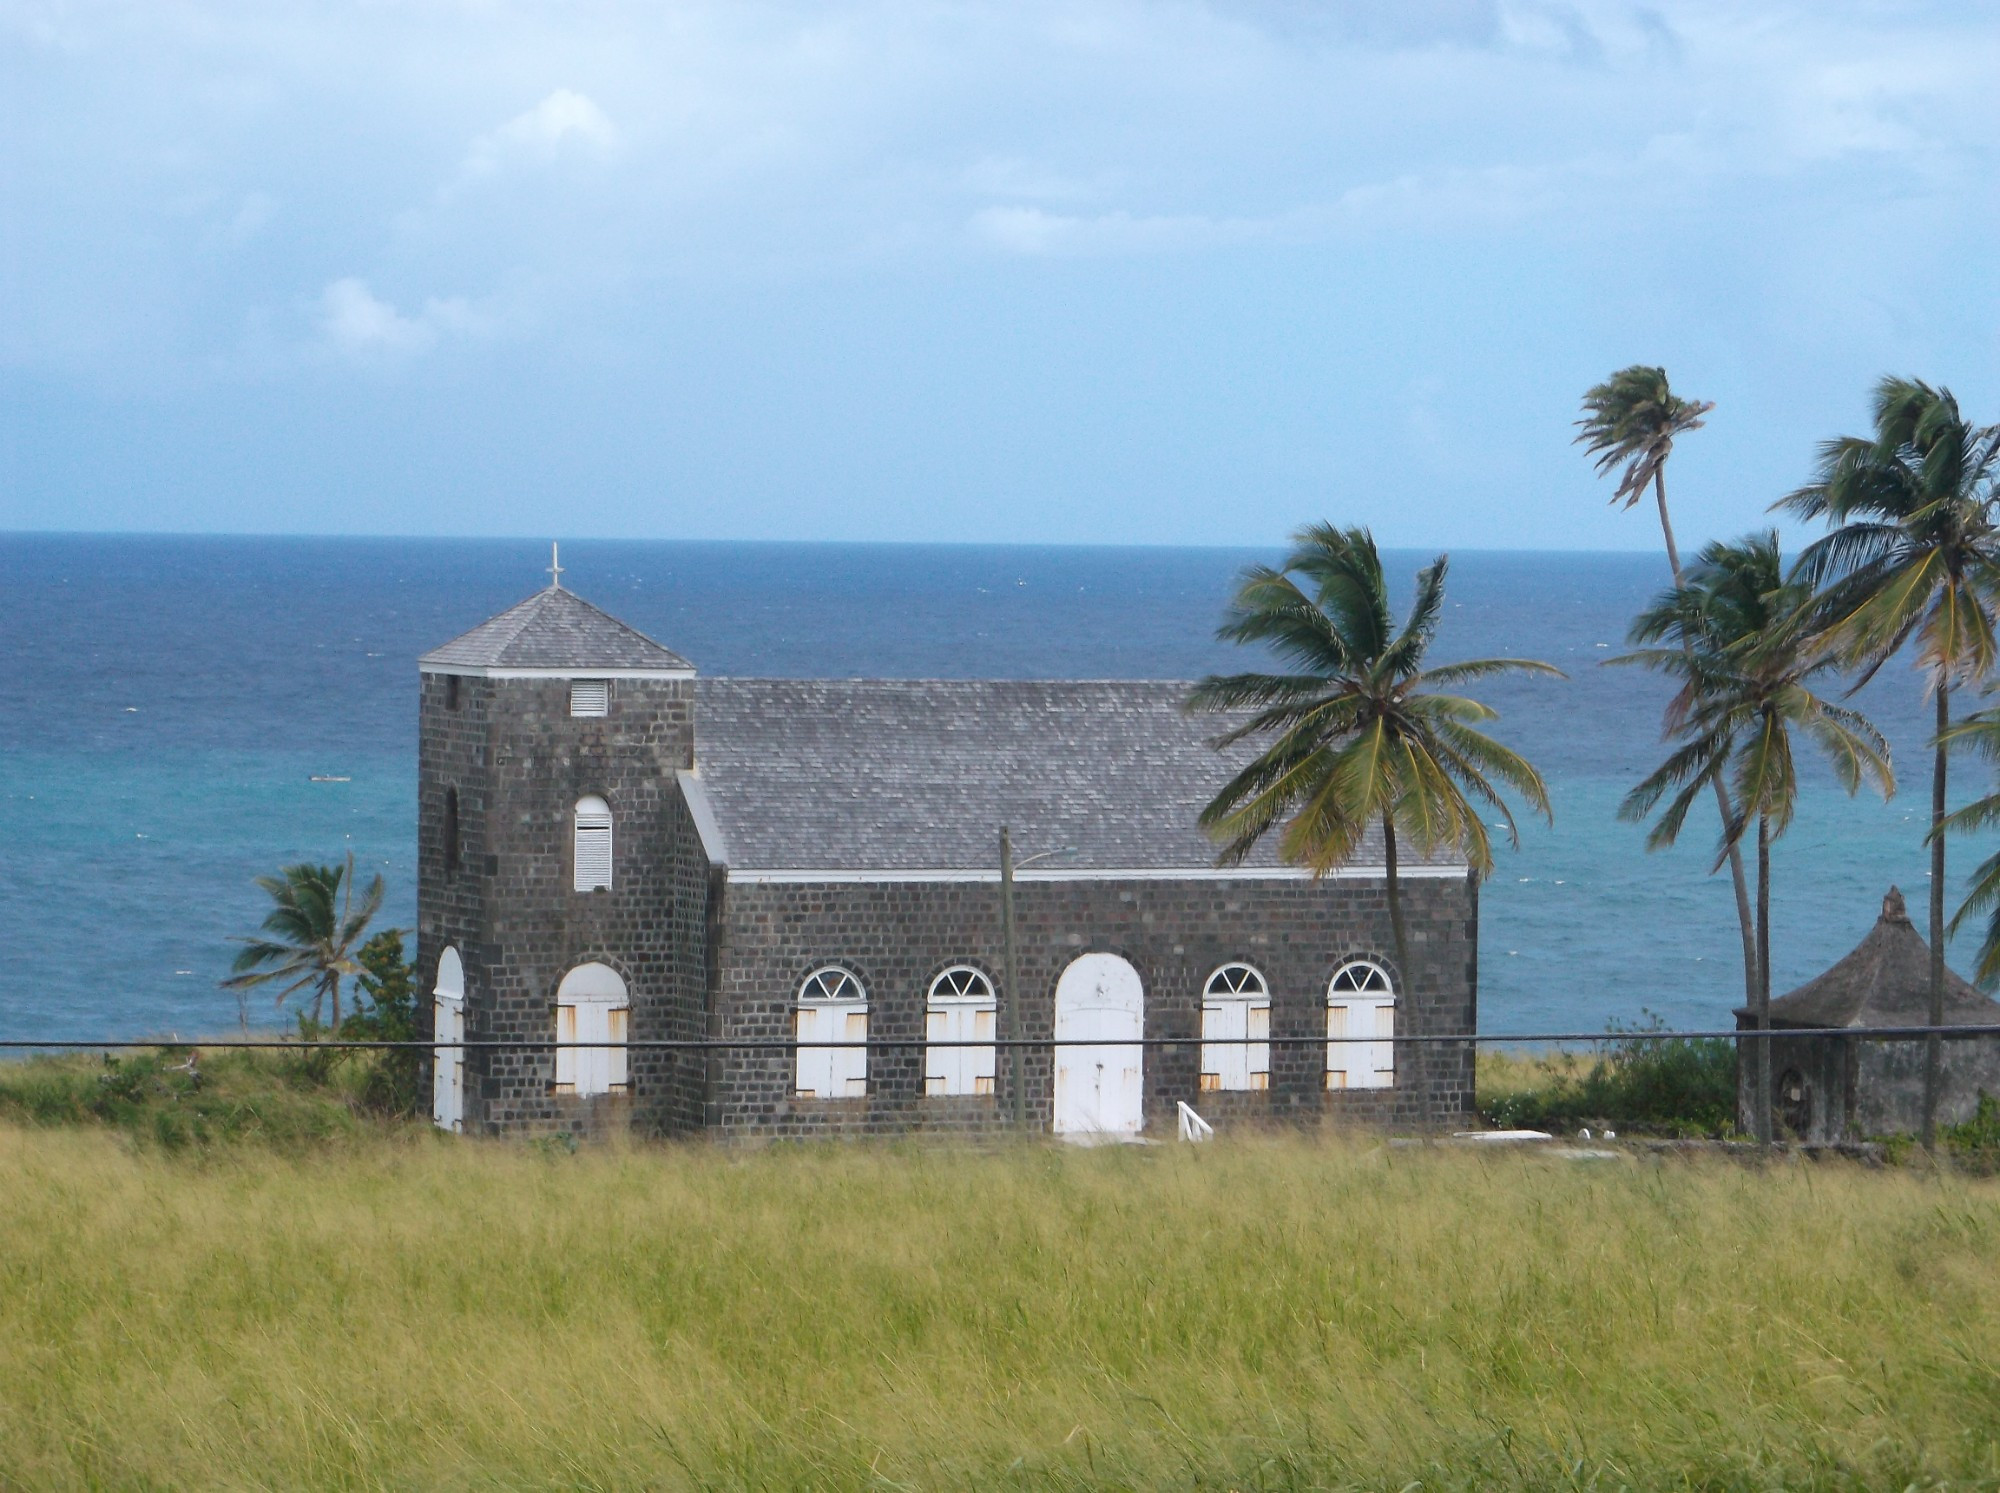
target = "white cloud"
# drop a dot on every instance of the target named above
(357, 322)
(564, 120)
(1031, 230)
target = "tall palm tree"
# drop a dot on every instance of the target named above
(1915, 557)
(313, 932)
(1740, 639)
(1355, 739)
(1631, 421)
(1981, 732)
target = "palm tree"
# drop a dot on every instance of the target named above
(1915, 557)
(1981, 732)
(1631, 420)
(1355, 740)
(313, 932)
(1739, 637)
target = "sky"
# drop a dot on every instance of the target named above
(1087, 271)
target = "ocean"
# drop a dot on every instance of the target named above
(167, 703)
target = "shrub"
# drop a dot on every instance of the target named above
(392, 1084)
(1635, 1082)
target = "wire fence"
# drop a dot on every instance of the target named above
(1038, 1044)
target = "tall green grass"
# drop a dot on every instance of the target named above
(413, 1312)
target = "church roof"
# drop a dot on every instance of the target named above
(1884, 982)
(919, 774)
(554, 630)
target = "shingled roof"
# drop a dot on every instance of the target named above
(557, 630)
(1884, 982)
(919, 774)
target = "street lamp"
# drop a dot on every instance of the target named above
(1008, 866)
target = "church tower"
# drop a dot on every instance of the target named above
(549, 740)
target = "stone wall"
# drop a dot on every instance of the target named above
(520, 762)
(1867, 1089)
(896, 937)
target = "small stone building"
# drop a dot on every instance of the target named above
(612, 850)
(1830, 1089)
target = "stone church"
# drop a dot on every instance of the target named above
(613, 850)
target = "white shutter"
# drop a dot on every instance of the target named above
(959, 1070)
(617, 1060)
(1361, 1065)
(851, 1063)
(1382, 1055)
(979, 1061)
(566, 1028)
(593, 850)
(815, 1064)
(940, 1063)
(1224, 1063)
(1258, 1056)
(1337, 1051)
(590, 697)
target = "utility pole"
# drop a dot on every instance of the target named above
(1016, 1084)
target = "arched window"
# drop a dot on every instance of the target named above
(448, 1030)
(592, 1008)
(450, 830)
(961, 1009)
(1235, 1030)
(593, 844)
(1360, 1027)
(832, 1008)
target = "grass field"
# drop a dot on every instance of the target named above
(389, 1309)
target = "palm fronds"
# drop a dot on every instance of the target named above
(311, 933)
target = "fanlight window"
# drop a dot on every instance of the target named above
(833, 1008)
(592, 1009)
(590, 697)
(1235, 1030)
(1360, 1028)
(961, 1009)
(593, 844)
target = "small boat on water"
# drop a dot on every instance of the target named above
(325, 777)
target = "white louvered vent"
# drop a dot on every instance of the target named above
(593, 844)
(590, 697)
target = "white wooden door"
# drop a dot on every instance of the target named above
(448, 1065)
(448, 1026)
(1100, 1084)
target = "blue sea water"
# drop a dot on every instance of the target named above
(165, 704)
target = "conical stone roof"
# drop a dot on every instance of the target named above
(557, 631)
(1884, 982)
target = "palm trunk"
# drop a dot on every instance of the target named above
(1933, 1046)
(1745, 921)
(1419, 1062)
(1760, 1068)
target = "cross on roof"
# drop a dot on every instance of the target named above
(555, 568)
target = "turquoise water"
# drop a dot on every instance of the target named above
(166, 702)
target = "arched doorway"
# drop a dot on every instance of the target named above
(448, 1026)
(592, 1008)
(1100, 1084)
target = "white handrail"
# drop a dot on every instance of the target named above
(1193, 1126)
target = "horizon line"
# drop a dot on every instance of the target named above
(1237, 546)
